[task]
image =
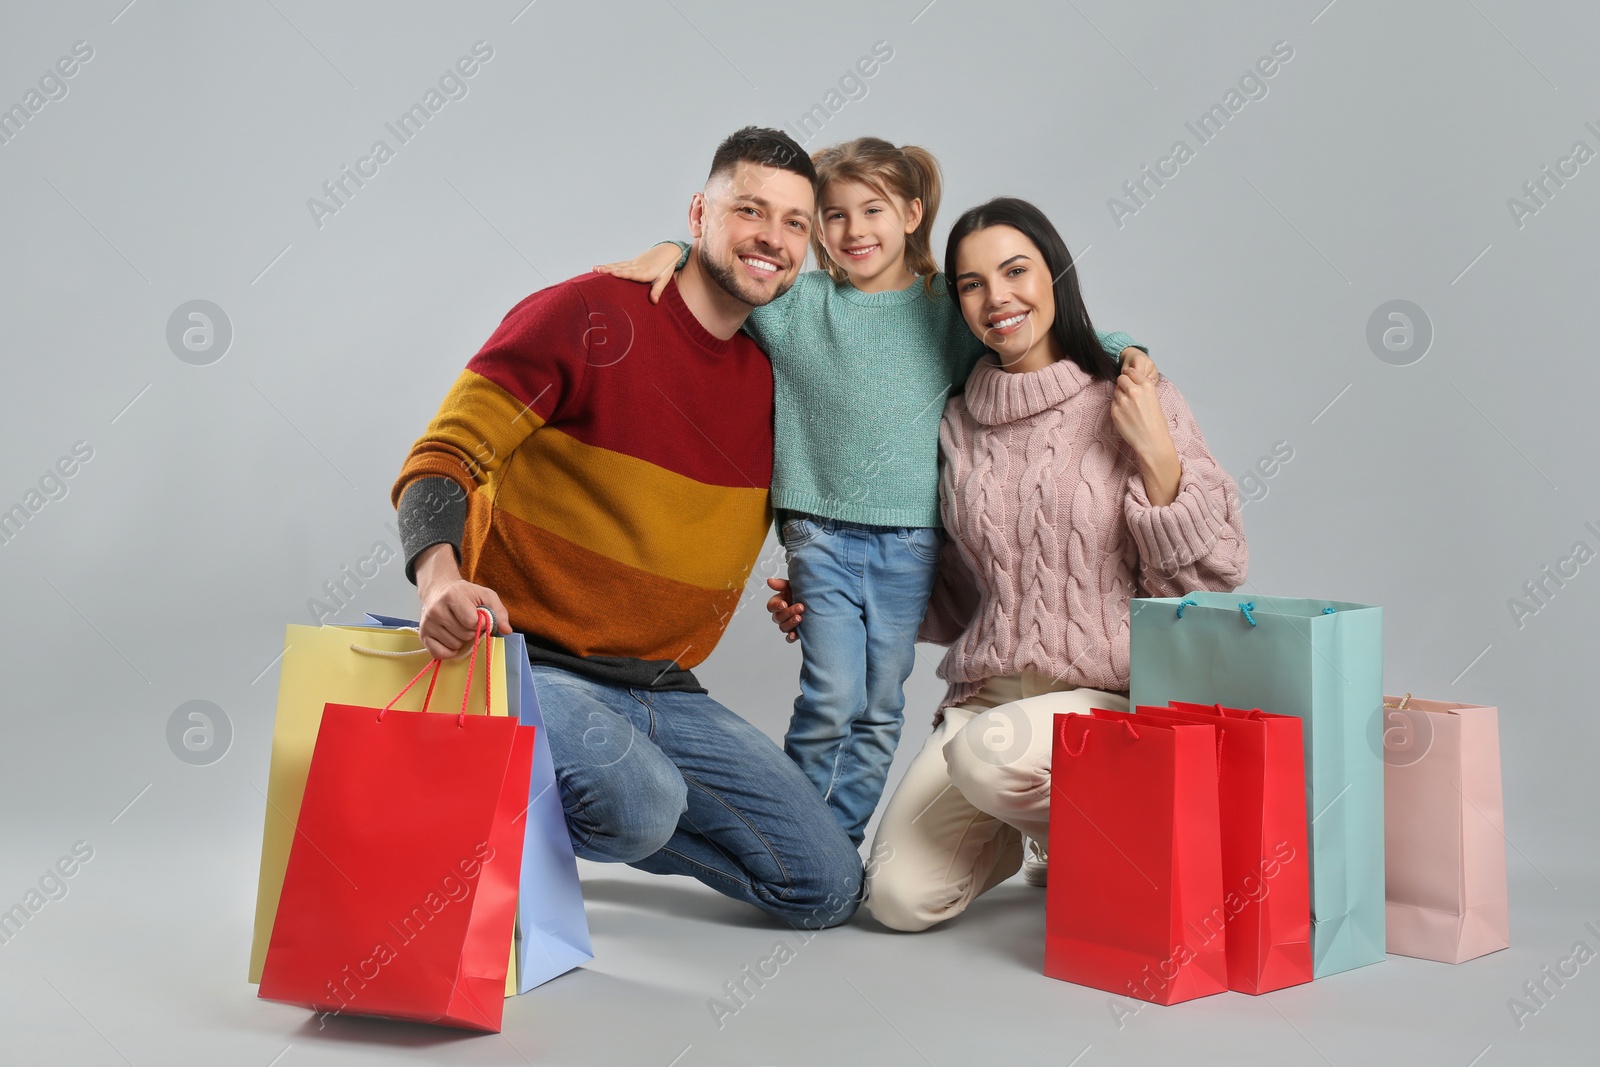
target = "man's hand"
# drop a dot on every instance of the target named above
(450, 604)
(654, 265)
(784, 614)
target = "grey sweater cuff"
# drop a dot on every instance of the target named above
(432, 511)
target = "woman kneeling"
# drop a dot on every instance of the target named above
(1066, 489)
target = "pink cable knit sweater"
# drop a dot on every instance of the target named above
(1049, 531)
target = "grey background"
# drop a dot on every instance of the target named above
(221, 497)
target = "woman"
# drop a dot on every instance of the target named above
(1066, 489)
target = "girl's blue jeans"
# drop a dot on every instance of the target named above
(865, 589)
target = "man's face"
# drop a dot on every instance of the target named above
(753, 226)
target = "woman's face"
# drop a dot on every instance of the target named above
(1007, 295)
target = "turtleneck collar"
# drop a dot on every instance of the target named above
(996, 396)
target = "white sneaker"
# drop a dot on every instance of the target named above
(1035, 863)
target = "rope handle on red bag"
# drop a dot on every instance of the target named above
(1222, 713)
(1131, 730)
(1252, 714)
(483, 628)
(1085, 741)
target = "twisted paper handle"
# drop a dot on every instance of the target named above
(484, 629)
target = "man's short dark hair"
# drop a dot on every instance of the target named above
(758, 144)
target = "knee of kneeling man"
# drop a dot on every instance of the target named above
(822, 892)
(835, 910)
(643, 820)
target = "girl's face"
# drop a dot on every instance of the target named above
(1007, 295)
(865, 230)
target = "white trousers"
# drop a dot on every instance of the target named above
(953, 828)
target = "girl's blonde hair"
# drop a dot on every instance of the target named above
(908, 172)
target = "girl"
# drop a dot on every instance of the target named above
(1066, 489)
(864, 353)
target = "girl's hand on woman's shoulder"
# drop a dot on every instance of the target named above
(1136, 362)
(1136, 413)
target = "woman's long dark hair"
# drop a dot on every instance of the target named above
(1072, 328)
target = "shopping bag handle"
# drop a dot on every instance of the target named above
(387, 652)
(1085, 741)
(483, 628)
(407, 630)
(1246, 608)
(1221, 736)
(1253, 714)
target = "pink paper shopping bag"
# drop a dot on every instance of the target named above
(1444, 821)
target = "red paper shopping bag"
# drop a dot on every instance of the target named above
(399, 899)
(1135, 858)
(1266, 878)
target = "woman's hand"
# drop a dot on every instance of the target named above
(785, 615)
(655, 265)
(1138, 418)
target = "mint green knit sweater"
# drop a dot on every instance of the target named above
(860, 381)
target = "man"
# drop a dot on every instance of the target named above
(597, 477)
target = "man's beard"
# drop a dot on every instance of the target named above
(732, 284)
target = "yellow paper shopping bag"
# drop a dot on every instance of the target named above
(362, 665)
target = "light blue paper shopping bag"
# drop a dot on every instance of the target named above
(1323, 661)
(552, 930)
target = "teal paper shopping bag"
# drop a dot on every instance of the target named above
(1323, 661)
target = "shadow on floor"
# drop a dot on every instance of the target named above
(1007, 923)
(391, 1033)
(680, 901)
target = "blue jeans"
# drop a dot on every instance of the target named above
(865, 589)
(675, 783)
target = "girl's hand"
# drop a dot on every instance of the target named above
(785, 615)
(654, 265)
(1137, 362)
(1138, 418)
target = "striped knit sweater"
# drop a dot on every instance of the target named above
(1050, 532)
(613, 460)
